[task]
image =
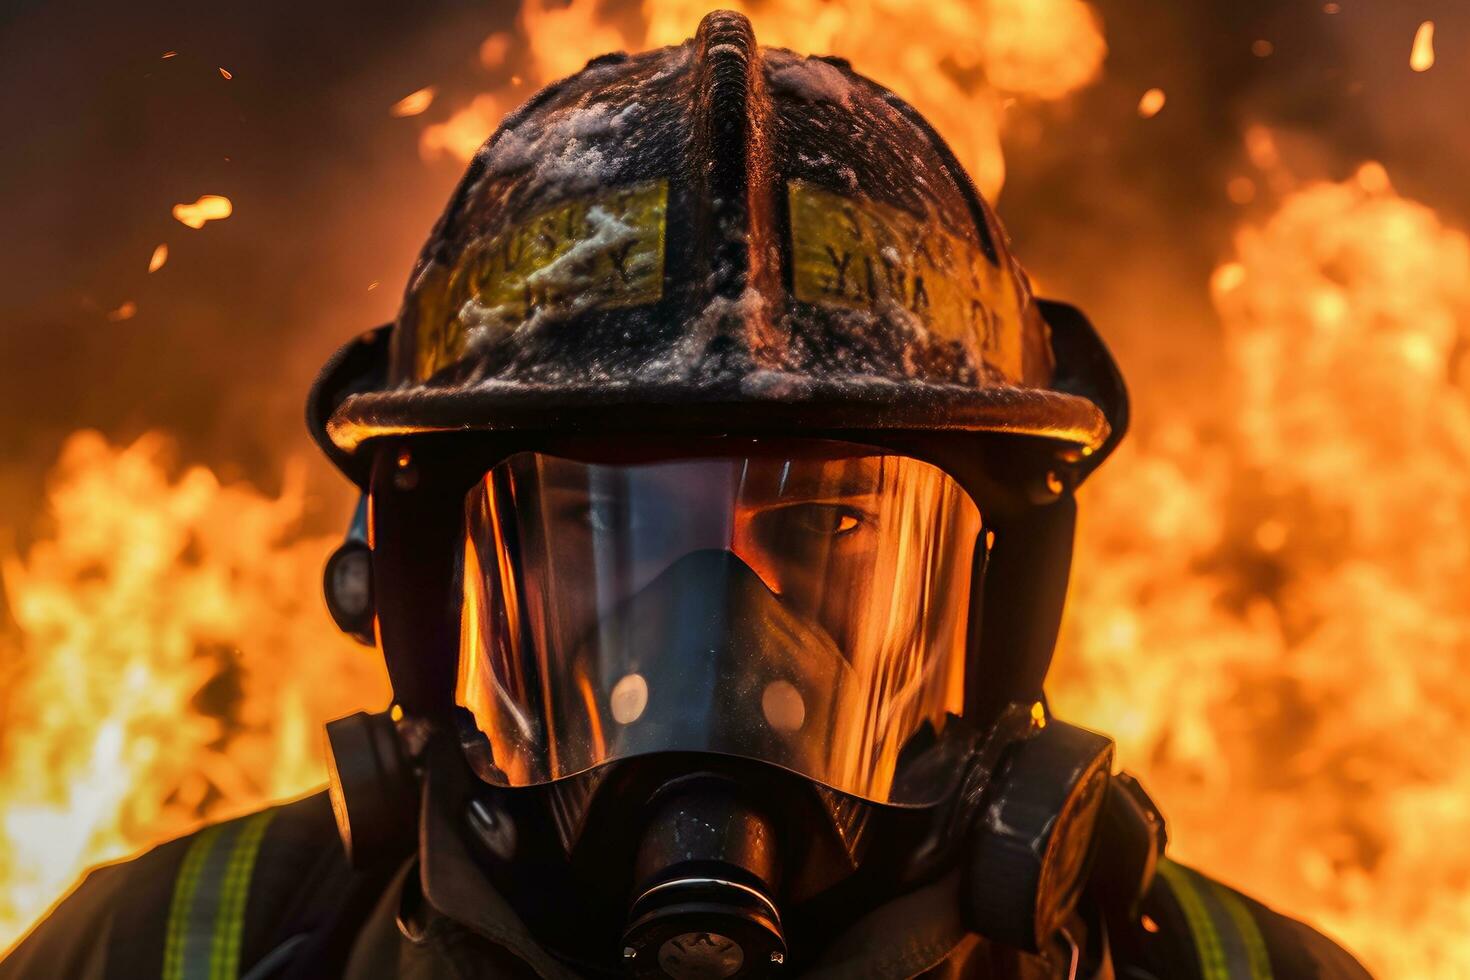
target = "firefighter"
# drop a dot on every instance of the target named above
(718, 483)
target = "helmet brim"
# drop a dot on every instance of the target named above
(763, 402)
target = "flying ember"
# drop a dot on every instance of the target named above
(210, 207)
(414, 103)
(1421, 57)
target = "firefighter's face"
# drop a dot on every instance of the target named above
(622, 608)
(811, 537)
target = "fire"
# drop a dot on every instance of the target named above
(461, 135)
(210, 207)
(493, 50)
(960, 62)
(170, 664)
(1270, 614)
(1269, 607)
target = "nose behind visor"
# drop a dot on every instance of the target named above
(807, 612)
(716, 663)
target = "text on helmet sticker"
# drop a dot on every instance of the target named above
(598, 252)
(855, 253)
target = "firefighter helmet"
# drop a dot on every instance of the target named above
(648, 271)
(719, 235)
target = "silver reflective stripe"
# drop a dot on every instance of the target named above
(206, 919)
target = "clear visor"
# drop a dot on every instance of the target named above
(806, 608)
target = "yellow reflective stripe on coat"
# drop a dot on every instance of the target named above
(1226, 937)
(206, 919)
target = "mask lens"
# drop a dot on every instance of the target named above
(806, 609)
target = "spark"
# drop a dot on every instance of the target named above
(494, 49)
(413, 103)
(169, 54)
(126, 311)
(1241, 190)
(1260, 146)
(1262, 48)
(225, 75)
(1151, 103)
(1227, 278)
(1373, 178)
(210, 207)
(1421, 58)
(159, 257)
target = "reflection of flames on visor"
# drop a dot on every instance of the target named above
(1270, 618)
(804, 607)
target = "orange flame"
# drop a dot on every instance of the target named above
(960, 62)
(171, 665)
(1272, 620)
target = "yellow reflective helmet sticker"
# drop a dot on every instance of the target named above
(598, 252)
(856, 253)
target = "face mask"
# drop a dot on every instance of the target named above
(805, 609)
(700, 690)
